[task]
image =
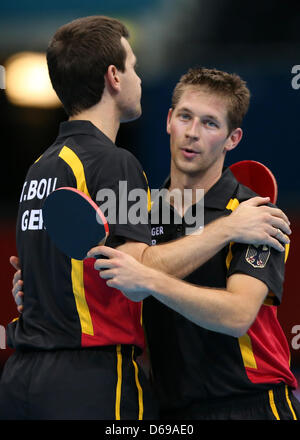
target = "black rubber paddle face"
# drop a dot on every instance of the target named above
(72, 223)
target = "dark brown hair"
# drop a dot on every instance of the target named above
(228, 85)
(78, 57)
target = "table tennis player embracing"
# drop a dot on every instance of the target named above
(217, 352)
(77, 339)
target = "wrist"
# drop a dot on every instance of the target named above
(226, 230)
(156, 282)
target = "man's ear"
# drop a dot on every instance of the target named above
(233, 139)
(169, 120)
(112, 78)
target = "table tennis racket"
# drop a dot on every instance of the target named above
(257, 177)
(74, 222)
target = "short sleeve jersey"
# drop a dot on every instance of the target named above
(192, 365)
(66, 303)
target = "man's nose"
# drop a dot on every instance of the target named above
(193, 131)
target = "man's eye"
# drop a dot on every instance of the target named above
(184, 116)
(210, 123)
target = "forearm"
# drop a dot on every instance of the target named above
(213, 309)
(182, 256)
(249, 223)
(230, 310)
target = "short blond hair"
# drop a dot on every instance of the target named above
(228, 85)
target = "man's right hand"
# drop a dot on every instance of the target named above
(17, 283)
(253, 222)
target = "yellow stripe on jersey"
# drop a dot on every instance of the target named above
(287, 250)
(119, 383)
(232, 204)
(289, 402)
(272, 405)
(14, 320)
(247, 351)
(229, 255)
(141, 317)
(38, 158)
(81, 304)
(76, 166)
(149, 204)
(139, 388)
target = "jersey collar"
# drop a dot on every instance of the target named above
(71, 128)
(218, 195)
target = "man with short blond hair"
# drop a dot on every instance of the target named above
(216, 347)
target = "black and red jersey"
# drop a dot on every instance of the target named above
(66, 303)
(193, 366)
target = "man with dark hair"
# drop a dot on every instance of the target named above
(217, 352)
(78, 57)
(77, 340)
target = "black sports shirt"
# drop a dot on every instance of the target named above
(66, 303)
(193, 366)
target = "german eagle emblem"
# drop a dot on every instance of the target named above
(257, 256)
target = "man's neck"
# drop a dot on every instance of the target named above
(203, 180)
(104, 116)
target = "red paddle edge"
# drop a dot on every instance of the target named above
(242, 163)
(92, 203)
